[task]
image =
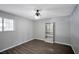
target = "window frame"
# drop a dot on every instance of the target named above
(1, 25)
(3, 28)
(4, 22)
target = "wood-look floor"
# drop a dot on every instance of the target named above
(40, 47)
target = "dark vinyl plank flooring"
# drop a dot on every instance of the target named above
(40, 47)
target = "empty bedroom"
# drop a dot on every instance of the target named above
(39, 29)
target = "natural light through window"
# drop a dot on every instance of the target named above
(0, 24)
(8, 24)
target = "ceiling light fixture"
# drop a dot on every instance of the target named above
(37, 14)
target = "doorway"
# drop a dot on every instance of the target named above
(50, 31)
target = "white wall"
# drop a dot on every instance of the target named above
(75, 30)
(23, 32)
(62, 29)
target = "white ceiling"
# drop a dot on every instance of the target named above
(46, 10)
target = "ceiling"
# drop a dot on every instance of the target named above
(46, 10)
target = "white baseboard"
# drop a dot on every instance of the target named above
(46, 40)
(69, 45)
(73, 49)
(52, 42)
(14, 46)
(63, 43)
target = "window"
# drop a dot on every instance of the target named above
(6, 24)
(0, 24)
